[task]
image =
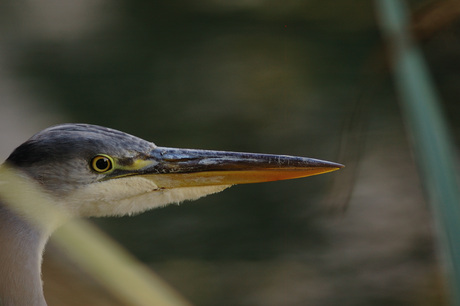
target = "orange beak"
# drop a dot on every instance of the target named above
(172, 168)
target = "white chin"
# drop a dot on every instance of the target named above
(130, 195)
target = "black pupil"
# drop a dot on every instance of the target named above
(102, 163)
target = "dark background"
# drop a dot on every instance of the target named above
(305, 78)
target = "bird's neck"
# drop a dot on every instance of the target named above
(21, 249)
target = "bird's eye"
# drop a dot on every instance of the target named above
(101, 163)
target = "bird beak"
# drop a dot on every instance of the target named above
(173, 168)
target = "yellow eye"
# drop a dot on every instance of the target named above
(101, 163)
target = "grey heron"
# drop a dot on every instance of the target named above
(88, 170)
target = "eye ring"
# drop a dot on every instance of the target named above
(102, 163)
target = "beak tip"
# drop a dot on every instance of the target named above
(328, 164)
(337, 166)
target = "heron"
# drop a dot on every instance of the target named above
(93, 171)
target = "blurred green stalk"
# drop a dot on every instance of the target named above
(433, 147)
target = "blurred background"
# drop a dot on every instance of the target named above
(295, 77)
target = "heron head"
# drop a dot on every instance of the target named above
(97, 171)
